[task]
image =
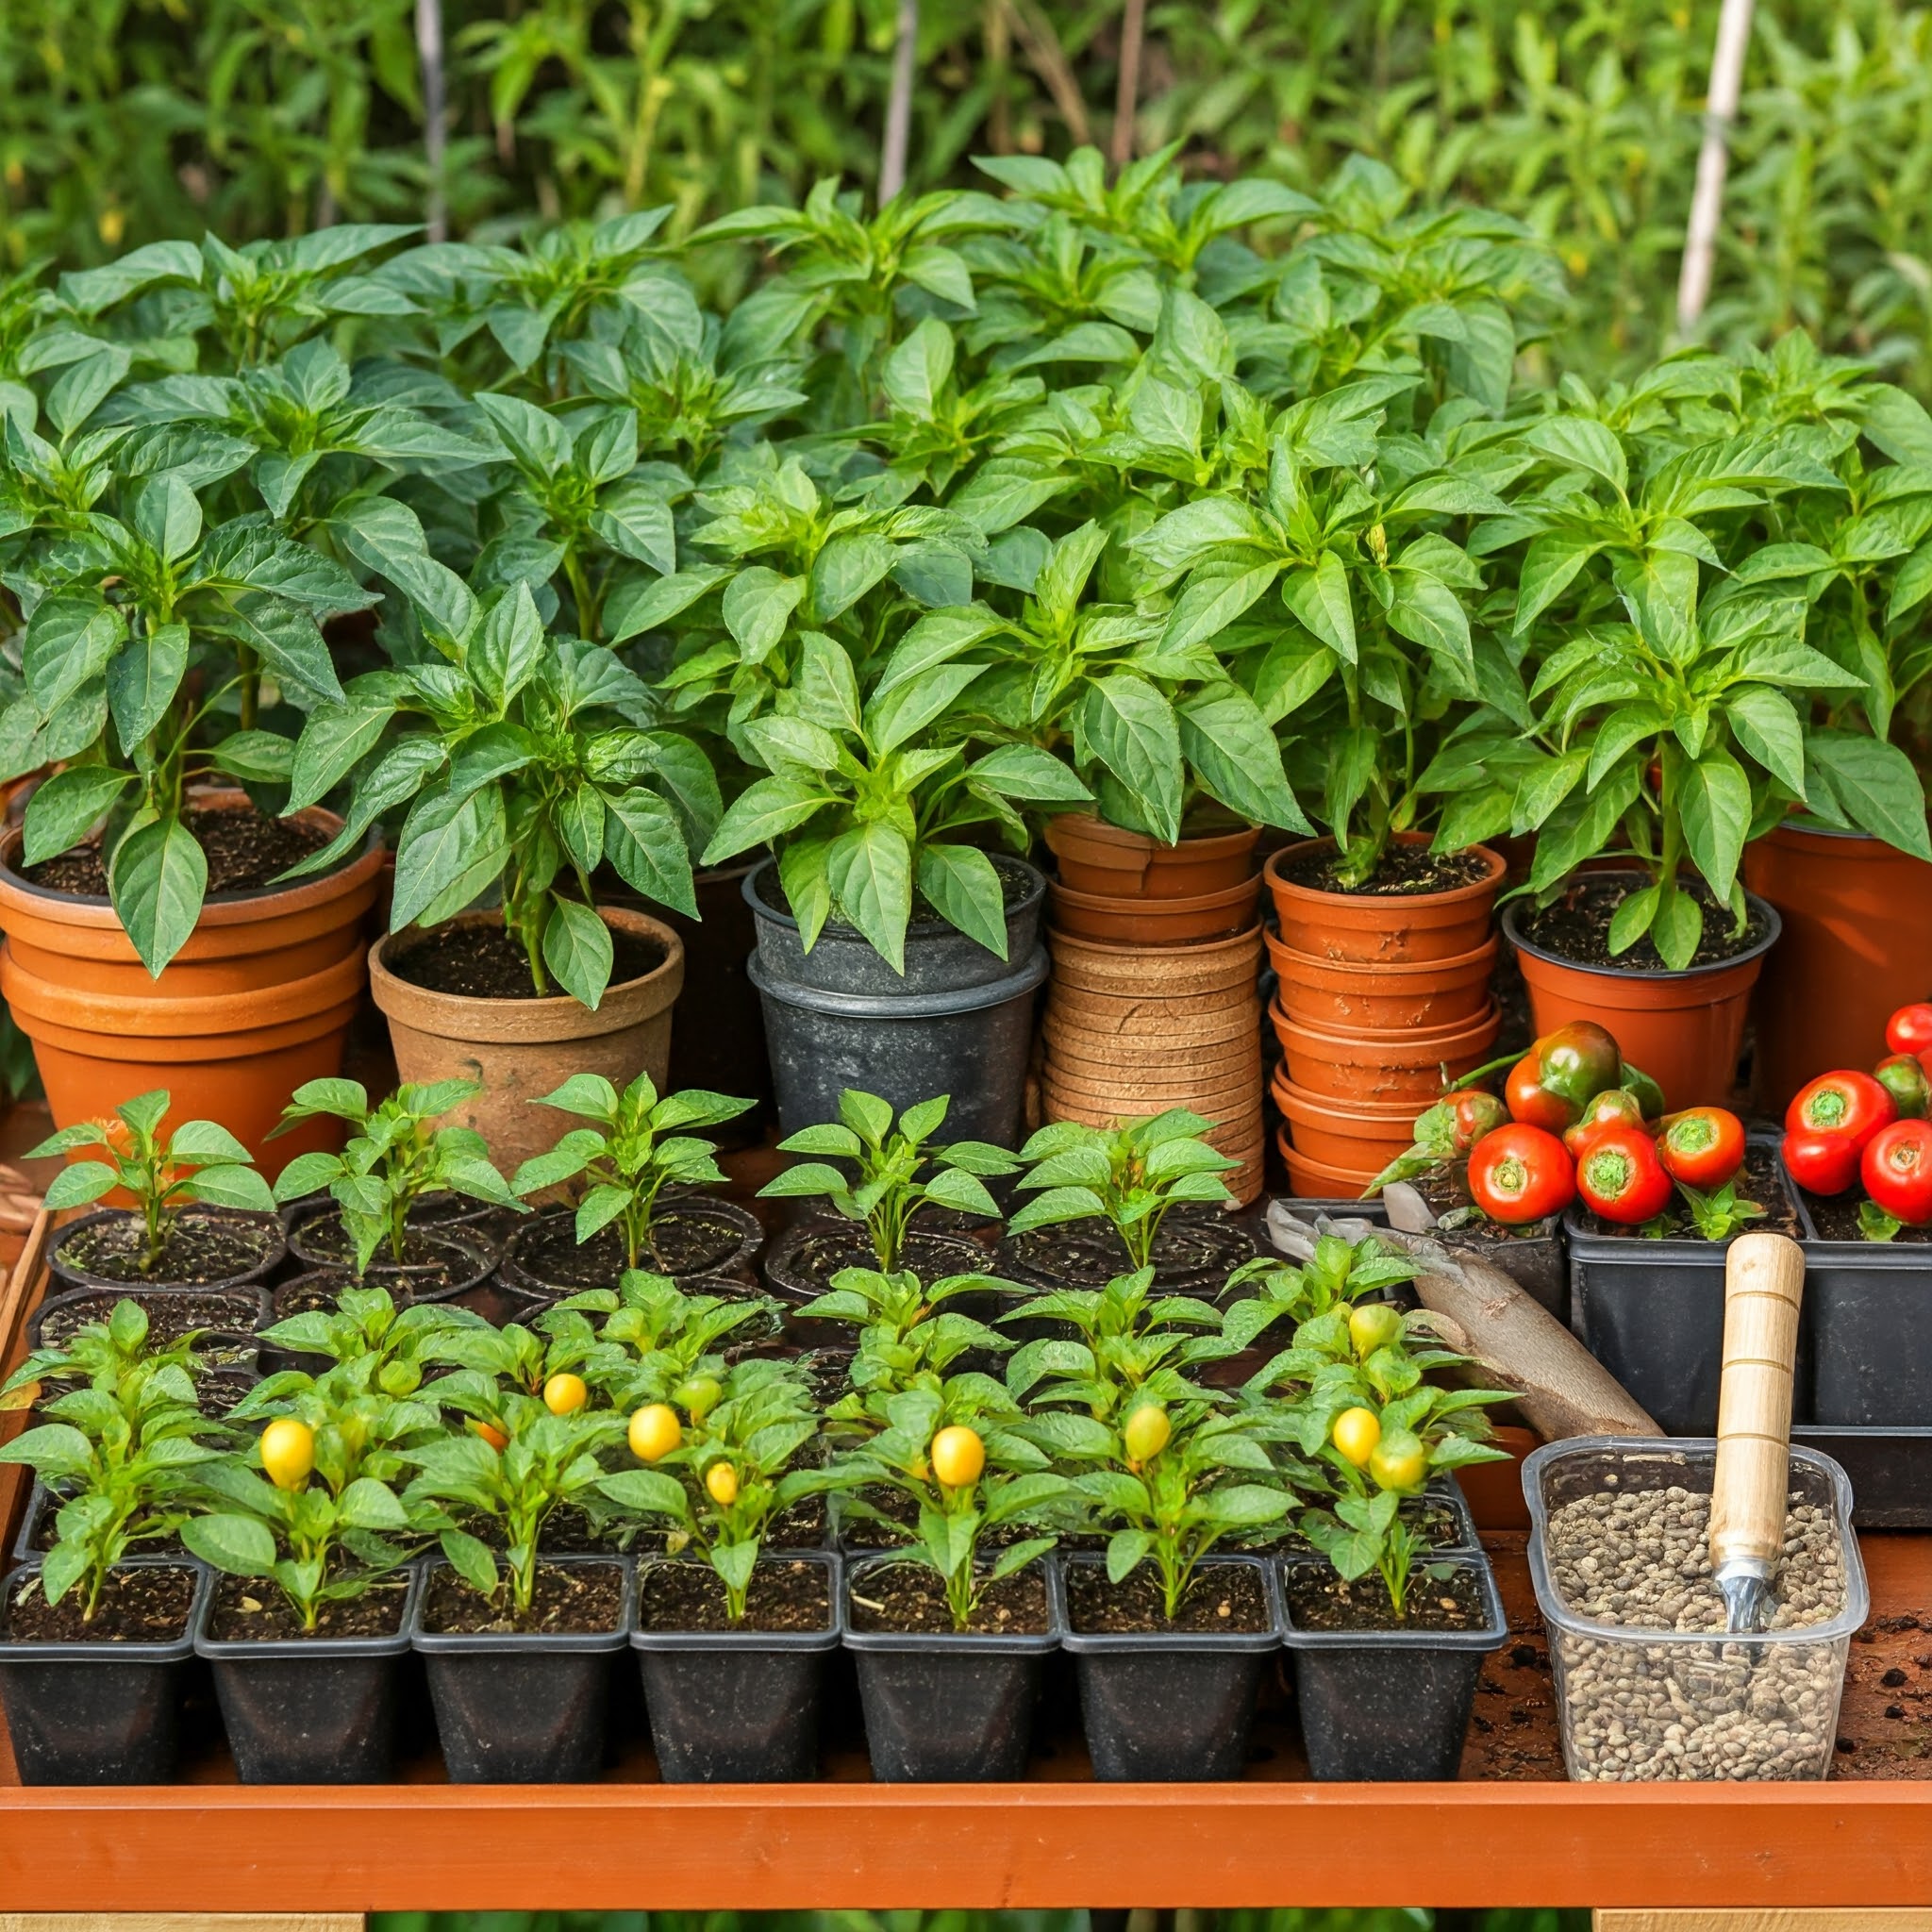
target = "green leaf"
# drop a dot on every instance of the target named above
(63, 811)
(445, 847)
(644, 842)
(1677, 926)
(238, 1545)
(1320, 598)
(962, 885)
(158, 882)
(142, 679)
(1227, 742)
(869, 872)
(1714, 799)
(1584, 444)
(1766, 727)
(75, 1186)
(1125, 723)
(577, 949)
(1874, 783)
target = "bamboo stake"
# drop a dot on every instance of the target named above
(429, 56)
(1126, 97)
(1713, 161)
(899, 104)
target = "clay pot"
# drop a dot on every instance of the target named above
(1684, 1029)
(1406, 996)
(1375, 1067)
(1106, 967)
(1133, 920)
(1392, 928)
(522, 1049)
(1096, 858)
(1347, 1135)
(1315, 1180)
(1857, 943)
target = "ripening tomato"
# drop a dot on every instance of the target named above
(1399, 1462)
(1372, 1325)
(1702, 1146)
(958, 1454)
(1896, 1168)
(1614, 1107)
(488, 1432)
(1550, 1085)
(1909, 1029)
(1821, 1163)
(1622, 1177)
(1845, 1102)
(1520, 1173)
(1902, 1075)
(1472, 1114)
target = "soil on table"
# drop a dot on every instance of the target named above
(822, 1251)
(245, 853)
(1758, 1180)
(909, 1597)
(1192, 1253)
(430, 1262)
(689, 1595)
(195, 1249)
(1403, 871)
(568, 1599)
(1836, 1219)
(1442, 1596)
(484, 962)
(1577, 927)
(686, 1238)
(248, 1610)
(171, 1313)
(141, 1604)
(1222, 1599)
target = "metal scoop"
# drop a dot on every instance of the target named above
(1764, 1280)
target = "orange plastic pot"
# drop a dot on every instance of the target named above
(1374, 1067)
(1139, 972)
(1684, 1029)
(1096, 858)
(1155, 921)
(1346, 1135)
(233, 1057)
(1857, 943)
(1385, 926)
(1401, 996)
(1316, 1180)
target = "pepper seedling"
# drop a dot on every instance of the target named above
(905, 1327)
(1337, 1278)
(662, 1333)
(364, 1325)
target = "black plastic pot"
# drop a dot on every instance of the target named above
(739, 1706)
(70, 1276)
(931, 1257)
(1172, 1707)
(1193, 1254)
(739, 1232)
(1865, 1306)
(958, 1021)
(515, 1708)
(1391, 1704)
(1889, 1470)
(241, 1310)
(947, 1709)
(95, 1713)
(470, 1259)
(310, 1711)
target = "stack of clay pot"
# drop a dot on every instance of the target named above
(1380, 997)
(1154, 1000)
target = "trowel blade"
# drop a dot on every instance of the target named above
(1747, 1598)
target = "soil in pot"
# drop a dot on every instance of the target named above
(1442, 1596)
(141, 1602)
(433, 1263)
(1576, 928)
(248, 1611)
(1192, 1253)
(1218, 1602)
(171, 1313)
(1836, 1219)
(801, 1262)
(568, 1599)
(246, 851)
(197, 1250)
(484, 962)
(1418, 906)
(690, 1236)
(783, 1597)
(910, 1599)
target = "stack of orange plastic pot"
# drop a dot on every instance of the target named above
(1380, 995)
(1154, 1000)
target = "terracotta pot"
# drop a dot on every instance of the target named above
(1316, 1180)
(1684, 1029)
(1383, 1067)
(1155, 921)
(1119, 1028)
(522, 1049)
(1239, 1137)
(1101, 1057)
(1344, 1134)
(1388, 926)
(1109, 967)
(1223, 1097)
(241, 940)
(1095, 856)
(1405, 996)
(231, 1057)
(1493, 1491)
(1857, 943)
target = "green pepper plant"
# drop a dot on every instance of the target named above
(659, 1342)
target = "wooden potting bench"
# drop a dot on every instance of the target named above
(1652, 1858)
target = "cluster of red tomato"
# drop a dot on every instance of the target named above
(1846, 1127)
(1577, 1121)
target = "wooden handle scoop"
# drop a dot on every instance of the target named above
(1764, 1280)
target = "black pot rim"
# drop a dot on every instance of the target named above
(1764, 907)
(784, 1245)
(918, 929)
(245, 1650)
(1212, 1642)
(1019, 984)
(1493, 1634)
(81, 1278)
(481, 1252)
(121, 1292)
(958, 1642)
(512, 1273)
(105, 1650)
(523, 1642)
(748, 1641)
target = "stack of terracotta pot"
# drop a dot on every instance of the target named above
(1380, 996)
(1154, 1000)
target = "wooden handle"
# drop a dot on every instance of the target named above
(1764, 1280)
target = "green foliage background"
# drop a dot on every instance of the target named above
(124, 120)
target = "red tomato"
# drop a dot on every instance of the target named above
(1846, 1102)
(1614, 1107)
(1620, 1176)
(1703, 1147)
(1896, 1168)
(1521, 1174)
(1909, 1029)
(1821, 1163)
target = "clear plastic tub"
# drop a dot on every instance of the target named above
(1640, 1704)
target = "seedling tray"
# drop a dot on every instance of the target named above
(1508, 1832)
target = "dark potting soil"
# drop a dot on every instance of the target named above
(691, 1596)
(1401, 870)
(247, 853)
(195, 1248)
(1837, 1221)
(1440, 1597)
(1218, 1600)
(1196, 1253)
(569, 1598)
(171, 1314)
(218, 1394)
(823, 1253)
(898, 1522)
(246, 1611)
(1758, 1180)
(684, 1239)
(1445, 1189)
(429, 1262)
(1436, 1522)
(142, 1604)
(484, 962)
(1577, 927)
(909, 1597)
